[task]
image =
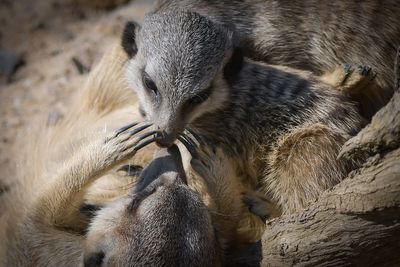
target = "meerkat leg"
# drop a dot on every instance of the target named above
(303, 164)
(223, 188)
(259, 209)
(259, 205)
(230, 213)
(60, 200)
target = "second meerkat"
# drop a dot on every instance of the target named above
(318, 36)
(283, 126)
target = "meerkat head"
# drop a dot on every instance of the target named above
(162, 223)
(181, 64)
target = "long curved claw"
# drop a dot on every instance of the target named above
(197, 137)
(189, 144)
(143, 136)
(139, 129)
(144, 142)
(125, 128)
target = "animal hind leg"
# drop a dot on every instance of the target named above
(303, 164)
(230, 198)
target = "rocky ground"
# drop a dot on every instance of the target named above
(52, 44)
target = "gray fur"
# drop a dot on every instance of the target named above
(162, 223)
(312, 35)
(182, 71)
(247, 115)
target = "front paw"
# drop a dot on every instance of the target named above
(259, 205)
(208, 162)
(356, 78)
(350, 79)
(128, 140)
(205, 162)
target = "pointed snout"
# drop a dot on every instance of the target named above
(169, 129)
(165, 138)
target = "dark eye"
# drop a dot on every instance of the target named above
(149, 84)
(201, 97)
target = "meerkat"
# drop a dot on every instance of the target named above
(315, 36)
(71, 165)
(162, 223)
(283, 126)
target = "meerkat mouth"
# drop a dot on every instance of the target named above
(164, 140)
(161, 141)
(186, 137)
(162, 145)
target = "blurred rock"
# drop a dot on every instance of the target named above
(9, 63)
(53, 118)
(81, 68)
(101, 4)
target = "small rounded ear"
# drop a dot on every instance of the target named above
(234, 65)
(129, 38)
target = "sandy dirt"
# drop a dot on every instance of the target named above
(50, 35)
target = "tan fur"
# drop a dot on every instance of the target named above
(349, 81)
(362, 87)
(296, 170)
(236, 207)
(43, 222)
(225, 191)
(69, 164)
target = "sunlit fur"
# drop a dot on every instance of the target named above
(43, 225)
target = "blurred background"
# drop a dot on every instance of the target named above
(47, 48)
